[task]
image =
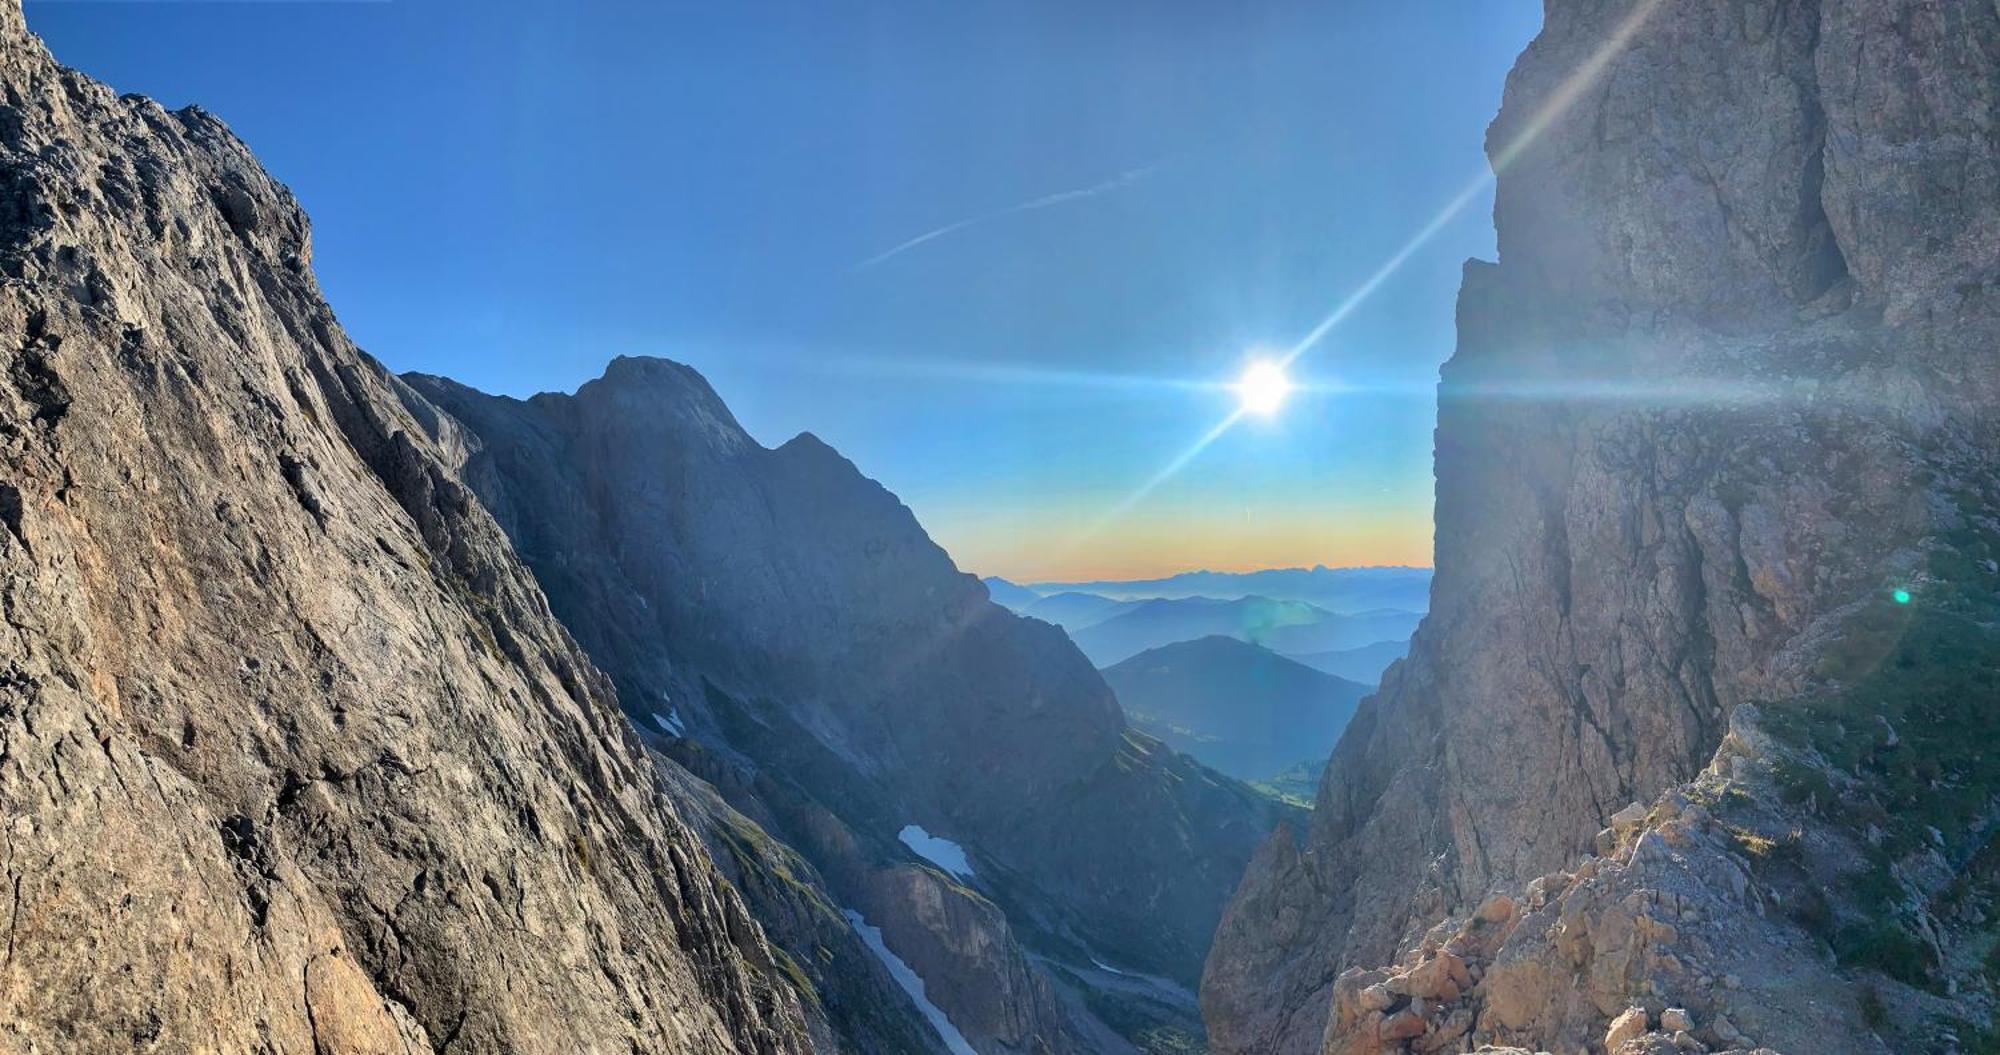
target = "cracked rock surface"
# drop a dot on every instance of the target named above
(1731, 378)
(293, 755)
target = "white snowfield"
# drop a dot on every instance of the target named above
(943, 853)
(670, 723)
(911, 982)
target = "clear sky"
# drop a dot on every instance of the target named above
(1123, 196)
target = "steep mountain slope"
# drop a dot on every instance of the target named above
(293, 755)
(1334, 589)
(1245, 710)
(838, 678)
(858, 1005)
(1730, 385)
(1364, 664)
(1282, 626)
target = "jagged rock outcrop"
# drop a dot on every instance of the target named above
(1681, 934)
(839, 680)
(1730, 384)
(293, 755)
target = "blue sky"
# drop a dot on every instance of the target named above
(511, 193)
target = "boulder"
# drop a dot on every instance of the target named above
(1630, 1024)
(1403, 1025)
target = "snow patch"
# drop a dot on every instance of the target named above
(943, 853)
(911, 982)
(670, 723)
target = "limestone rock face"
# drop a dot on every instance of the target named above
(293, 755)
(1682, 936)
(1730, 381)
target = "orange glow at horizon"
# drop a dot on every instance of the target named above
(1148, 547)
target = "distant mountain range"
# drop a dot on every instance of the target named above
(1074, 611)
(1125, 620)
(1010, 595)
(1289, 627)
(1344, 590)
(1364, 664)
(1238, 707)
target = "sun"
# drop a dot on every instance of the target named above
(1263, 388)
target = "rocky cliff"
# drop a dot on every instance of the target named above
(293, 755)
(787, 628)
(1717, 432)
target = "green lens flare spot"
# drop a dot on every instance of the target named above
(1900, 596)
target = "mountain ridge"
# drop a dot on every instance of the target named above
(1364, 663)
(1337, 589)
(1283, 626)
(803, 625)
(1236, 706)
(296, 756)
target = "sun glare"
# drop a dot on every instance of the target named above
(1263, 388)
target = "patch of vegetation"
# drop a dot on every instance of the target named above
(1800, 783)
(759, 858)
(1874, 1013)
(1297, 786)
(790, 968)
(1912, 711)
(1972, 1040)
(1284, 797)
(1167, 1040)
(1885, 946)
(1763, 850)
(1906, 724)
(1876, 889)
(1813, 912)
(1137, 1019)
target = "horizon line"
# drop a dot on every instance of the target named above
(1203, 571)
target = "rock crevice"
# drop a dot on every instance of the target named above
(1712, 400)
(238, 589)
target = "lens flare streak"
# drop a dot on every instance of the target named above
(1558, 102)
(1171, 469)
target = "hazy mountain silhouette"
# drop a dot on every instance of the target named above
(1074, 611)
(1345, 590)
(1281, 626)
(1009, 594)
(1364, 664)
(1241, 708)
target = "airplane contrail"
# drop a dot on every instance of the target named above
(1118, 182)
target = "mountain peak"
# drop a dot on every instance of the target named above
(650, 399)
(1237, 706)
(238, 567)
